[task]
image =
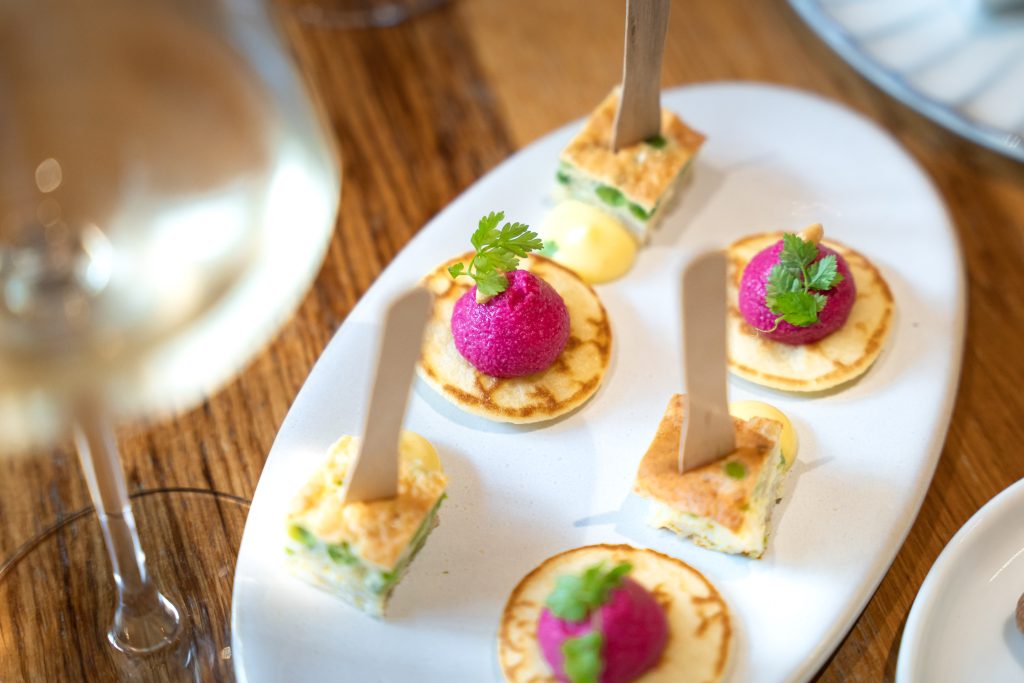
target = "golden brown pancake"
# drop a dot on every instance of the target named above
(571, 380)
(840, 357)
(700, 630)
(725, 505)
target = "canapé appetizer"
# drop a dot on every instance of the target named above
(359, 551)
(804, 314)
(725, 505)
(636, 183)
(613, 614)
(529, 341)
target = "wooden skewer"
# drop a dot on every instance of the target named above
(638, 116)
(708, 431)
(374, 471)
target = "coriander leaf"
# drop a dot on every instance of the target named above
(498, 250)
(582, 657)
(617, 573)
(822, 274)
(563, 601)
(487, 229)
(576, 594)
(780, 280)
(797, 308)
(489, 261)
(519, 239)
(491, 283)
(789, 256)
(796, 254)
(792, 284)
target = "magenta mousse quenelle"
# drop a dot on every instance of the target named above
(601, 627)
(797, 291)
(512, 323)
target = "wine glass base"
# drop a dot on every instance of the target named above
(57, 596)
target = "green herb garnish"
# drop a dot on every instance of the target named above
(341, 554)
(610, 195)
(639, 211)
(736, 469)
(794, 282)
(562, 177)
(498, 251)
(582, 657)
(576, 594)
(550, 248)
(301, 535)
(656, 141)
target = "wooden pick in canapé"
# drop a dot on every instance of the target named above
(374, 471)
(638, 116)
(708, 431)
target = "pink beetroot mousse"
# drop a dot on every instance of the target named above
(756, 312)
(518, 332)
(632, 623)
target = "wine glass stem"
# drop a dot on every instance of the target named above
(144, 620)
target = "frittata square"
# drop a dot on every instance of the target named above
(637, 182)
(360, 551)
(725, 505)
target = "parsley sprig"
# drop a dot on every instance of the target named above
(498, 250)
(582, 657)
(576, 594)
(795, 282)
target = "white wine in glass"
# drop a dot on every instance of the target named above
(167, 192)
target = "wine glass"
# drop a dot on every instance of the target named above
(167, 193)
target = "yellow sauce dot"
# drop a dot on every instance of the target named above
(417, 452)
(589, 241)
(748, 409)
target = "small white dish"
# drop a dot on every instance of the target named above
(775, 159)
(962, 626)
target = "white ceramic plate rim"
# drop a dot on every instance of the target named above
(915, 632)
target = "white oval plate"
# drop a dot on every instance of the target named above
(775, 159)
(962, 625)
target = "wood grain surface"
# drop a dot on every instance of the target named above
(424, 109)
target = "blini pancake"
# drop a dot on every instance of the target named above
(840, 357)
(571, 380)
(700, 629)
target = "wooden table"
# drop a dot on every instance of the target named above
(423, 110)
